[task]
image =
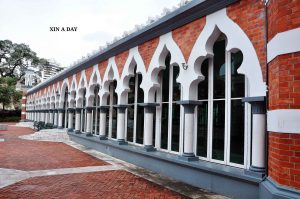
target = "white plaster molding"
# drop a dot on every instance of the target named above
(64, 86)
(284, 121)
(94, 80)
(134, 59)
(283, 43)
(81, 85)
(166, 44)
(74, 83)
(73, 89)
(236, 40)
(111, 73)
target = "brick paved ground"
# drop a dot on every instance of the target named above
(28, 155)
(105, 184)
(40, 177)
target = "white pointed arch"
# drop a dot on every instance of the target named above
(57, 94)
(65, 86)
(48, 98)
(95, 80)
(82, 85)
(52, 97)
(237, 39)
(73, 91)
(111, 73)
(150, 81)
(134, 59)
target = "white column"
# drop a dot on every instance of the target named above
(77, 120)
(102, 124)
(70, 120)
(188, 132)
(121, 125)
(55, 118)
(88, 122)
(42, 116)
(148, 127)
(46, 116)
(258, 141)
(258, 108)
(60, 119)
(51, 117)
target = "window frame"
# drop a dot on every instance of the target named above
(227, 133)
(170, 102)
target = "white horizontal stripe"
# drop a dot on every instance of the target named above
(283, 43)
(284, 121)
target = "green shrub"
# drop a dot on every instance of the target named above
(10, 119)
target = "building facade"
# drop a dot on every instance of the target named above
(208, 94)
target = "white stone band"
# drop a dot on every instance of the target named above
(283, 43)
(284, 121)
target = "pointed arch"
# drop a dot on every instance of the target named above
(134, 60)
(111, 73)
(237, 39)
(166, 45)
(82, 85)
(73, 91)
(95, 80)
(65, 86)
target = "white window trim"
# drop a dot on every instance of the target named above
(170, 111)
(247, 118)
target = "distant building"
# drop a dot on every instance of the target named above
(49, 71)
(34, 76)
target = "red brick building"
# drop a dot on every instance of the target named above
(208, 94)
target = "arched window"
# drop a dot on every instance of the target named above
(65, 107)
(74, 115)
(135, 112)
(170, 111)
(112, 101)
(221, 113)
(96, 111)
(83, 111)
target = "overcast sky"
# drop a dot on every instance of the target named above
(98, 21)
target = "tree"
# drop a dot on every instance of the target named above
(15, 58)
(8, 93)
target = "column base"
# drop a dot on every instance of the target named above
(88, 134)
(149, 148)
(77, 132)
(256, 172)
(54, 126)
(102, 137)
(121, 142)
(188, 157)
(60, 127)
(70, 130)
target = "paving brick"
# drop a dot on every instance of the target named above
(108, 184)
(28, 155)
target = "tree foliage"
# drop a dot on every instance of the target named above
(8, 93)
(15, 58)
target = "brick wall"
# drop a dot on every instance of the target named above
(284, 82)
(147, 50)
(284, 159)
(88, 73)
(120, 61)
(23, 106)
(284, 93)
(186, 36)
(102, 67)
(250, 16)
(283, 15)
